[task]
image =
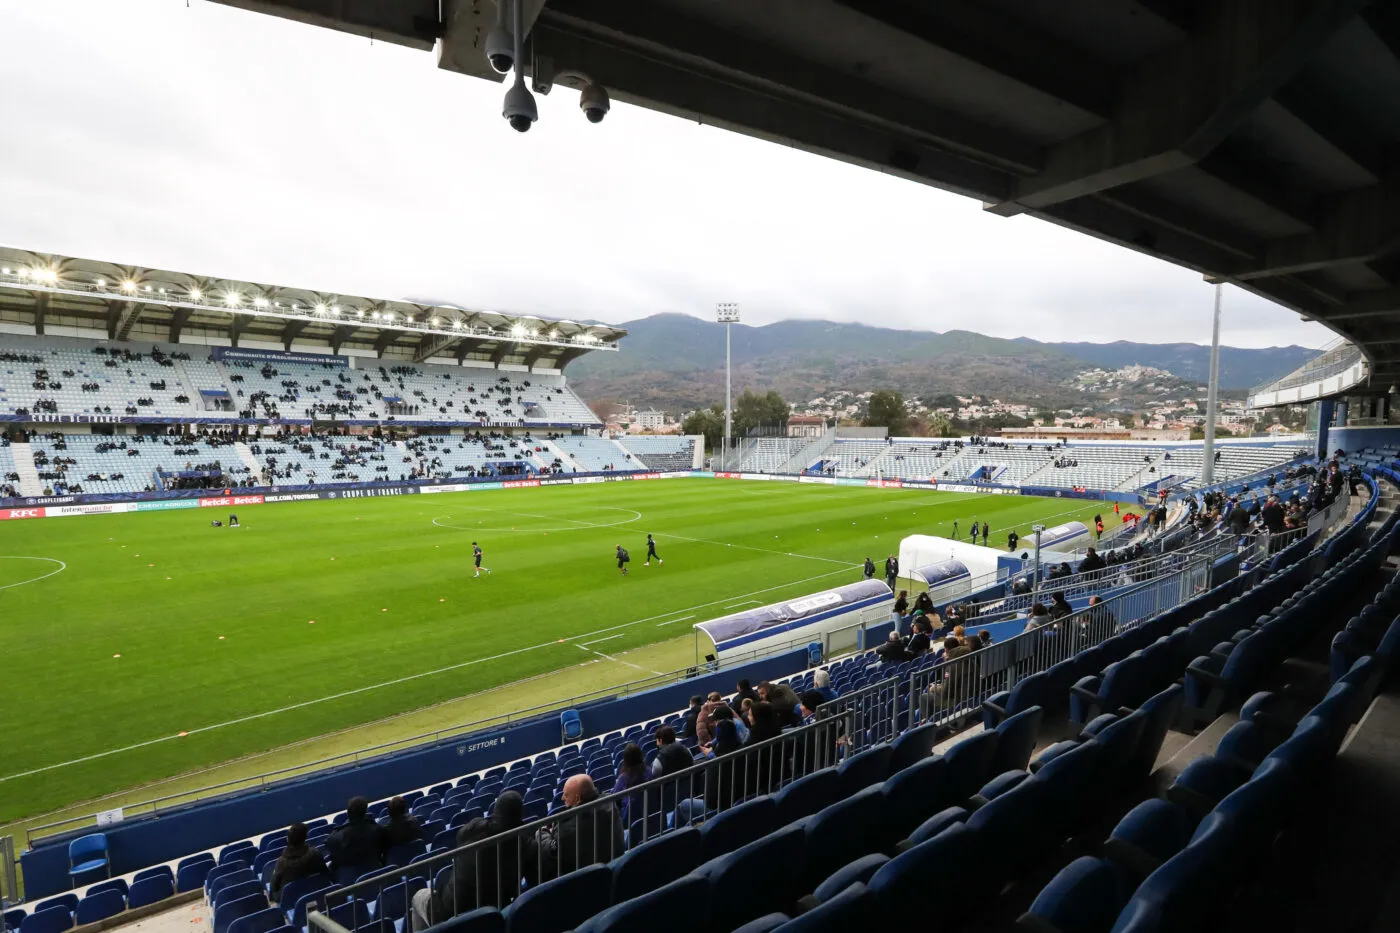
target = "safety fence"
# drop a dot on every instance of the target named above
(9, 875)
(874, 712)
(495, 862)
(949, 689)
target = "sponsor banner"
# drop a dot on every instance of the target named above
(371, 493)
(1006, 492)
(885, 483)
(51, 500)
(519, 483)
(293, 497)
(702, 474)
(646, 475)
(220, 502)
(758, 476)
(100, 509)
(556, 482)
(824, 480)
(166, 505)
(476, 486)
(234, 355)
(6, 514)
(955, 487)
(729, 476)
(686, 475)
(451, 487)
(589, 479)
(849, 481)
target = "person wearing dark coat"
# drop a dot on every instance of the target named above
(1091, 561)
(671, 756)
(576, 840)
(869, 569)
(470, 884)
(744, 691)
(784, 700)
(298, 860)
(402, 828)
(692, 716)
(358, 845)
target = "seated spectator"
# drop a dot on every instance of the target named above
(821, 681)
(688, 730)
(298, 860)
(705, 722)
(359, 844)
(461, 893)
(1059, 605)
(579, 839)
(921, 640)
(1038, 616)
(784, 701)
(745, 691)
(810, 703)
(954, 649)
(892, 651)
(1091, 561)
(671, 756)
(960, 634)
(402, 827)
(985, 637)
(765, 723)
(631, 771)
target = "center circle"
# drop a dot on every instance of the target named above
(41, 567)
(506, 521)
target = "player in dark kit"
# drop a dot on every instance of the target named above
(623, 559)
(651, 552)
(476, 559)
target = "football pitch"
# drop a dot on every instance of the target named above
(142, 646)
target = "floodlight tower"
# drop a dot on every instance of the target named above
(1212, 393)
(727, 313)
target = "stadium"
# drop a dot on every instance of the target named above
(331, 613)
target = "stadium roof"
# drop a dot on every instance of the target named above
(45, 291)
(1254, 141)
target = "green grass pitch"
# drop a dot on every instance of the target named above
(160, 625)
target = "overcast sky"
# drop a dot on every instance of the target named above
(215, 141)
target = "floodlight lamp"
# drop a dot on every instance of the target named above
(196, 294)
(260, 302)
(456, 323)
(320, 309)
(23, 272)
(162, 291)
(6, 271)
(128, 286)
(374, 315)
(148, 288)
(335, 309)
(359, 312)
(231, 299)
(49, 275)
(100, 283)
(435, 322)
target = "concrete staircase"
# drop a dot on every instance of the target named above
(804, 457)
(29, 482)
(245, 454)
(570, 464)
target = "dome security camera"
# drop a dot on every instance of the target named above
(520, 108)
(594, 102)
(500, 49)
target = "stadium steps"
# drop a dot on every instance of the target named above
(402, 450)
(1032, 476)
(245, 454)
(883, 465)
(627, 457)
(29, 482)
(807, 455)
(569, 462)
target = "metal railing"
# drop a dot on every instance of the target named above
(873, 712)
(950, 689)
(9, 876)
(494, 863)
(1337, 357)
(262, 782)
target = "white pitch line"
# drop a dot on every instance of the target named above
(747, 602)
(598, 641)
(618, 660)
(53, 560)
(674, 621)
(390, 683)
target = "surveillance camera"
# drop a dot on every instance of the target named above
(500, 49)
(594, 103)
(520, 108)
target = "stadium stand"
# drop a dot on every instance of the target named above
(92, 463)
(661, 452)
(770, 453)
(597, 454)
(830, 825)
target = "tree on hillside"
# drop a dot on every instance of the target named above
(752, 410)
(606, 409)
(706, 421)
(886, 410)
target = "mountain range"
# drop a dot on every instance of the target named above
(676, 362)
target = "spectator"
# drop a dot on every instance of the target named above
(1099, 615)
(784, 701)
(462, 892)
(1059, 606)
(765, 723)
(298, 860)
(953, 648)
(919, 641)
(745, 691)
(985, 637)
(901, 605)
(1038, 616)
(1091, 561)
(821, 681)
(705, 722)
(960, 634)
(631, 771)
(892, 651)
(579, 839)
(358, 846)
(688, 730)
(671, 756)
(402, 827)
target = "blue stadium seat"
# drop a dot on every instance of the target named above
(1159, 712)
(807, 795)
(1017, 734)
(912, 747)
(68, 902)
(481, 920)
(848, 828)
(232, 892)
(1148, 835)
(225, 914)
(47, 921)
(88, 854)
(562, 903)
(1107, 693)
(151, 890)
(1085, 897)
(936, 823)
(970, 764)
(858, 872)
(392, 904)
(570, 725)
(191, 873)
(917, 792)
(684, 903)
(213, 878)
(114, 884)
(759, 878)
(1180, 893)
(655, 863)
(863, 769)
(839, 914)
(293, 891)
(896, 886)
(99, 906)
(263, 921)
(739, 826)
(1029, 691)
(230, 879)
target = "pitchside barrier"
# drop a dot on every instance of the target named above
(597, 831)
(156, 831)
(951, 689)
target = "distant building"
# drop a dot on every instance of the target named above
(806, 426)
(650, 420)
